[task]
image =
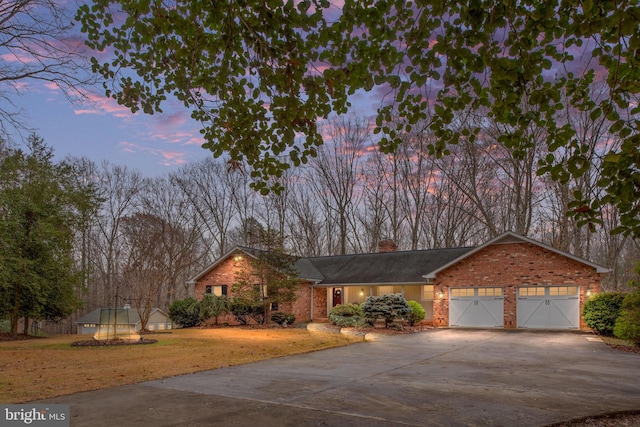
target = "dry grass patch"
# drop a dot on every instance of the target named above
(43, 368)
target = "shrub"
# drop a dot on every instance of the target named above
(213, 306)
(347, 310)
(283, 318)
(346, 316)
(243, 310)
(628, 324)
(185, 312)
(417, 313)
(257, 313)
(388, 307)
(601, 311)
(240, 310)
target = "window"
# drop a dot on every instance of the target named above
(562, 290)
(462, 292)
(217, 290)
(427, 292)
(531, 291)
(385, 290)
(269, 293)
(489, 292)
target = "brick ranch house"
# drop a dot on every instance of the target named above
(509, 282)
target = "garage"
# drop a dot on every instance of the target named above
(548, 307)
(476, 307)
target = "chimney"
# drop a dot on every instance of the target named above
(387, 245)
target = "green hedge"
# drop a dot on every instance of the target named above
(628, 324)
(185, 312)
(417, 313)
(601, 311)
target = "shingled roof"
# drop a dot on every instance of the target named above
(376, 268)
(403, 267)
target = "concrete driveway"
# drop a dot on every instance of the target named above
(441, 377)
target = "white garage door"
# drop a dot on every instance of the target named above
(548, 307)
(476, 307)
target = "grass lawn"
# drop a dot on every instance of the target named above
(47, 367)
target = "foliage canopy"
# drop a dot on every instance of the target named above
(258, 75)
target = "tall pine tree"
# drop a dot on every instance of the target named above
(40, 208)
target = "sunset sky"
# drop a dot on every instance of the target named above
(103, 130)
(100, 129)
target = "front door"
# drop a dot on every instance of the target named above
(337, 296)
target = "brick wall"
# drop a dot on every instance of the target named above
(224, 274)
(510, 266)
(320, 303)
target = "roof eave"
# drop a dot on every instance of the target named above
(217, 262)
(337, 285)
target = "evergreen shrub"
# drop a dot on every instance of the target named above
(185, 312)
(601, 311)
(390, 307)
(628, 324)
(283, 318)
(346, 316)
(417, 313)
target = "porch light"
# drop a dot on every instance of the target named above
(237, 258)
(441, 294)
(361, 291)
(588, 292)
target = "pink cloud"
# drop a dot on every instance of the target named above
(172, 158)
(128, 147)
(169, 158)
(196, 140)
(17, 57)
(102, 105)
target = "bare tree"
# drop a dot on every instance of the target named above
(274, 207)
(144, 265)
(474, 175)
(450, 217)
(208, 185)
(335, 175)
(177, 238)
(37, 44)
(378, 213)
(120, 189)
(515, 173)
(416, 172)
(592, 140)
(304, 223)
